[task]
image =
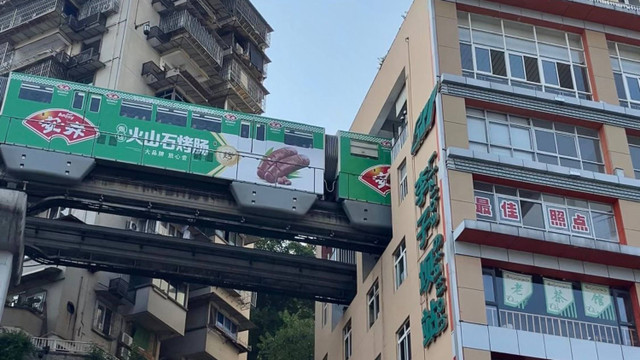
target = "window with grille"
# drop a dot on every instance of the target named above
(522, 55)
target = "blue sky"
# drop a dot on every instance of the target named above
(324, 56)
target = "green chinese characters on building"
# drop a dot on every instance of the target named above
(424, 123)
(434, 318)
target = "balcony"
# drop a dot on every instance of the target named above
(249, 54)
(117, 292)
(244, 15)
(84, 63)
(156, 312)
(24, 318)
(159, 79)
(245, 92)
(54, 66)
(181, 30)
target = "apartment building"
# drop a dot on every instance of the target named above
(515, 195)
(209, 52)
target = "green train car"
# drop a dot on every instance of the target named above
(119, 127)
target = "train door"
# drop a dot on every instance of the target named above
(259, 147)
(244, 138)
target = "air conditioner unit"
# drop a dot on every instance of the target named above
(124, 353)
(131, 225)
(126, 339)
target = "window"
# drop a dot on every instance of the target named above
(347, 341)
(206, 122)
(171, 94)
(223, 322)
(531, 139)
(634, 149)
(364, 149)
(325, 314)
(403, 184)
(78, 100)
(298, 138)
(245, 130)
(36, 92)
(404, 341)
(136, 110)
(400, 264)
(102, 319)
(34, 301)
(561, 307)
(260, 132)
(174, 291)
(94, 105)
(522, 55)
(554, 213)
(625, 61)
(171, 116)
(373, 301)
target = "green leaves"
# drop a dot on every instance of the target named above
(16, 346)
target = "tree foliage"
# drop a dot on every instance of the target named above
(275, 314)
(15, 346)
(293, 340)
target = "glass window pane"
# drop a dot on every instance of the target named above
(532, 214)
(531, 68)
(589, 149)
(518, 29)
(506, 190)
(520, 45)
(574, 164)
(587, 132)
(635, 156)
(551, 36)
(607, 208)
(622, 94)
(476, 130)
(623, 308)
(615, 64)
(577, 203)
(575, 41)
(543, 124)
(630, 67)
(500, 151)
(516, 65)
(520, 138)
(78, 100)
(545, 141)
(550, 72)
(553, 199)
(499, 134)
(634, 88)
(533, 195)
(566, 145)
(565, 128)
(498, 65)
(604, 226)
(477, 147)
(489, 292)
(483, 62)
(488, 39)
(94, 105)
(466, 57)
(580, 74)
(593, 167)
(548, 159)
(464, 34)
(526, 155)
(554, 52)
(486, 23)
(564, 73)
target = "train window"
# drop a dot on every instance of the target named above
(298, 138)
(365, 149)
(260, 128)
(206, 122)
(78, 100)
(94, 105)
(36, 92)
(245, 130)
(171, 116)
(135, 110)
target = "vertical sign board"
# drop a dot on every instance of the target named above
(434, 318)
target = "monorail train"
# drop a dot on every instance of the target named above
(119, 127)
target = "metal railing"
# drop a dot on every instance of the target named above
(244, 10)
(398, 143)
(184, 20)
(633, 4)
(93, 7)
(343, 256)
(69, 347)
(27, 11)
(550, 325)
(233, 71)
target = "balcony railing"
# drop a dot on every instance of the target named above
(69, 347)
(183, 20)
(93, 7)
(244, 11)
(562, 327)
(27, 11)
(343, 256)
(234, 72)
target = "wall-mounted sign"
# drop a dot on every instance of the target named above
(424, 124)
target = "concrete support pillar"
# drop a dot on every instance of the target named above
(13, 208)
(600, 72)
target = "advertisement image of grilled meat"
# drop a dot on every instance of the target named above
(277, 166)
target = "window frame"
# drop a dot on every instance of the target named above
(400, 258)
(33, 88)
(99, 321)
(403, 184)
(509, 79)
(347, 341)
(403, 341)
(618, 69)
(373, 303)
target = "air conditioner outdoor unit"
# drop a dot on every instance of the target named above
(131, 225)
(124, 353)
(126, 339)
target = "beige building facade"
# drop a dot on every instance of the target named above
(208, 52)
(514, 166)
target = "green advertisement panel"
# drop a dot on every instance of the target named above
(363, 168)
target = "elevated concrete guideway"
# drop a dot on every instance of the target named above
(106, 249)
(191, 200)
